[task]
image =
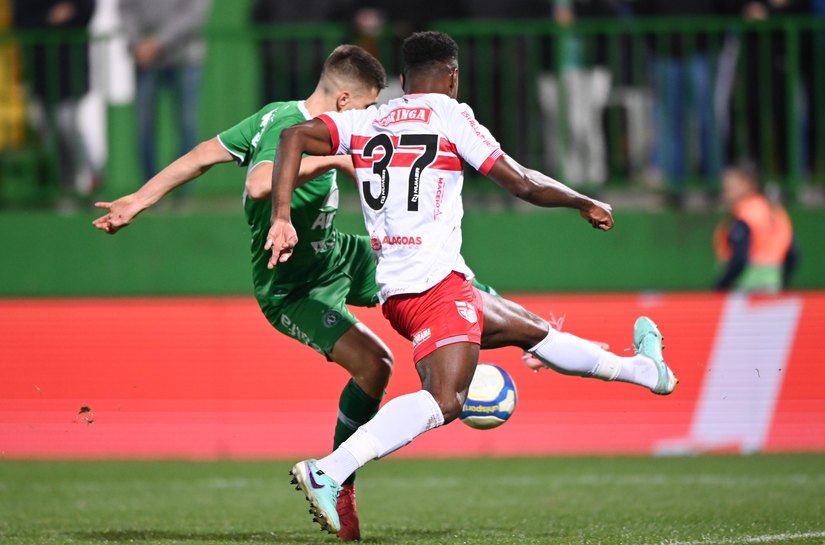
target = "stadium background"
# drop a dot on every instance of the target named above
(155, 329)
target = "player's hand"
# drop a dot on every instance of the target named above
(146, 51)
(281, 239)
(120, 214)
(599, 215)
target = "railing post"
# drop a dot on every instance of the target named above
(794, 127)
(817, 108)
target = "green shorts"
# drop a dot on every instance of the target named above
(315, 312)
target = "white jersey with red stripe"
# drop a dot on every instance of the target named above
(408, 157)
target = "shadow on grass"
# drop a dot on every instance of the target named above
(410, 535)
(132, 536)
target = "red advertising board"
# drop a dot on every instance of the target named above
(208, 377)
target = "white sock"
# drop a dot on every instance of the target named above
(396, 424)
(570, 355)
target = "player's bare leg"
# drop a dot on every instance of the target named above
(365, 356)
(508, 324)
(446, 374)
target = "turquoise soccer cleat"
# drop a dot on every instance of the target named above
(321, 493)
(647, 341)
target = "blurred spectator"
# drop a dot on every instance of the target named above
(58, 77)
(488, 61)
(683, 91)
(814, 50)
(165, 39)
(768, 124)
(409, 17)
(370, 26)
(381, 23)
(278, 58)
(513, 9)
(755, 244)
(12, 99)
(580, 102)
(379, 26)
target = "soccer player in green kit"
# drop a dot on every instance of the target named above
(306, 298)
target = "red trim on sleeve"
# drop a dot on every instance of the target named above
(406, 160)
(333, 132)
(490, 161)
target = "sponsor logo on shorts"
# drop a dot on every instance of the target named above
(331, 317)
(467, 311)
(295, 332)
(421, 336)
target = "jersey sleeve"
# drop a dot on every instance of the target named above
(474, 143)
(238, 139)
(341, 127)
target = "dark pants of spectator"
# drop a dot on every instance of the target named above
(184, 83)
(683, 99)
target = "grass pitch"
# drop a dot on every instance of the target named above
(724, 500)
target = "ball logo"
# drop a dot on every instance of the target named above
(331, 317)
(467, 311)
(491, 398)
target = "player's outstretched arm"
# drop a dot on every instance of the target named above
(121, 212)
(541, 190)
(312, 167)
(259, 179)
(311, 137)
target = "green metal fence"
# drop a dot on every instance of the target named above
(592, 103)
(766, 87)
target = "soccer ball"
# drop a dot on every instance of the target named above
(491, 399)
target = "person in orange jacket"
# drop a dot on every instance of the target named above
(755, 243)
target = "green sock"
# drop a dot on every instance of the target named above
(354, 409)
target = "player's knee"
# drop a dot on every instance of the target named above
(373, 371)
(527, 328)
(450, 406)
(508, 323)
(535, 331)
(380, 364)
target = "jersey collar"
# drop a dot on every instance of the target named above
(303, 108)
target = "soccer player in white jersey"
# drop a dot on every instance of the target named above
(409, 158)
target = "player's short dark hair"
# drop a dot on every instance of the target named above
(354, 63)
(425, 50)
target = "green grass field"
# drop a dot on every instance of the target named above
(617, 500)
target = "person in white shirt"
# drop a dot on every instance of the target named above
(408, 156)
